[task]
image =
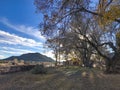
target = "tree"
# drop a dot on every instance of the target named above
(54, 45)
(79, 18)
(109, 11)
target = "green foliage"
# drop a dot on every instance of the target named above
(39, 69)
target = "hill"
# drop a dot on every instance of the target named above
(31, 57)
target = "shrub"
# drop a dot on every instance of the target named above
(39, 69)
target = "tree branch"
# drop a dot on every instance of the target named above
(110, 44)
(98, 14)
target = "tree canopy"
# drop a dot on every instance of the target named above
(85, 27)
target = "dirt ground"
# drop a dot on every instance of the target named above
(70, 78)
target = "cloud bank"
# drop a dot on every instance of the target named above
(13, 44)
(29, 30)
(8, 38)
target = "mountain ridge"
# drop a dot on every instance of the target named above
(31, 57)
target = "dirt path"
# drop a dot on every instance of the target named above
(62, 79)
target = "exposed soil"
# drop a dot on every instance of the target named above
(61, 79)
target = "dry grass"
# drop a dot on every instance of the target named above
(72, 78)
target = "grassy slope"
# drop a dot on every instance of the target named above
(61, 79)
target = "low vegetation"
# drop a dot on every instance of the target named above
(39, 69)
(64, 78)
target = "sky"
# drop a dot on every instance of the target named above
(19, 31)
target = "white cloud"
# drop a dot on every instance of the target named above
(49, 54)
(34, 32)
(12, 51)
(13, 39)
(2, 56)
(16, 51)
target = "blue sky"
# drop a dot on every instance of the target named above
(19, 32)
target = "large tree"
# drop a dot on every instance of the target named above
(94, 21)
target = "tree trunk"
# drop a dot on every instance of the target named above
(113, 64)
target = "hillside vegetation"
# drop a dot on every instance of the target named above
(31, 57)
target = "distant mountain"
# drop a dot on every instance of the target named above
(31, 57)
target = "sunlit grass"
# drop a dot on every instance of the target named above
(61, 78)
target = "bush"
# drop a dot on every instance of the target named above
(39, 69)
